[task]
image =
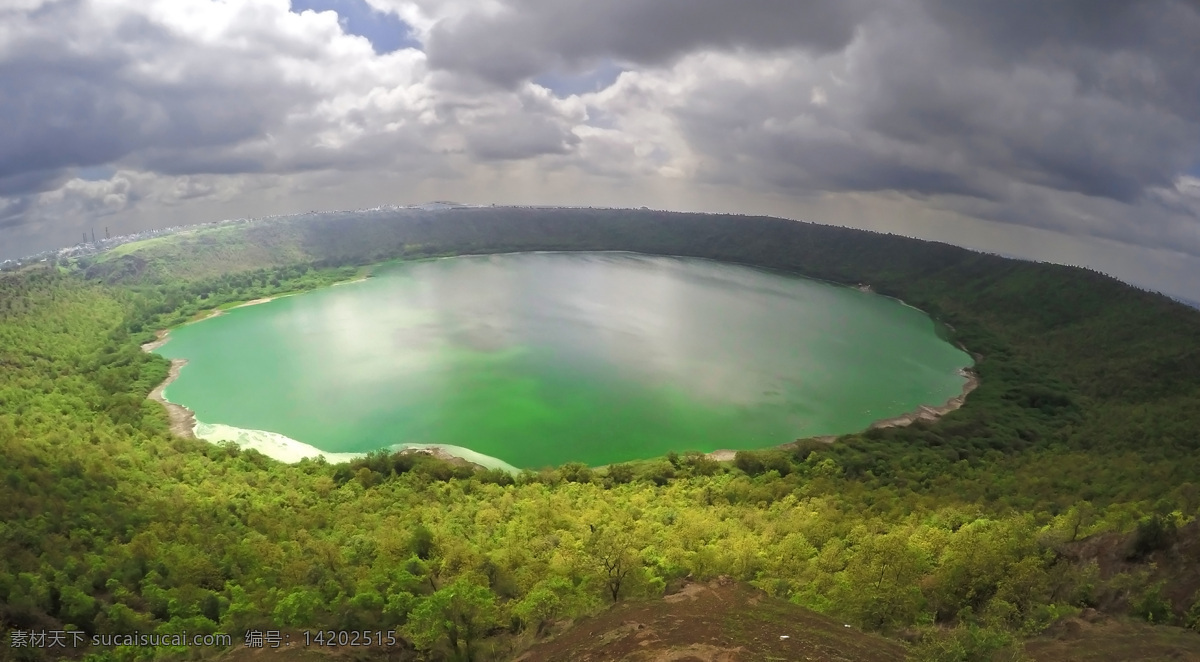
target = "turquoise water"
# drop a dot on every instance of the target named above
(543, 358)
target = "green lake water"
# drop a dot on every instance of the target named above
(538, 359)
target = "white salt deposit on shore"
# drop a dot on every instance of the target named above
(286, 449)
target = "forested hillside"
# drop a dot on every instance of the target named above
(1054, 340)
(965, 536)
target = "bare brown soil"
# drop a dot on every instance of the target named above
(1177, 566)
(443, 456)
(718, 621)
(1094, 638)
(291, 648)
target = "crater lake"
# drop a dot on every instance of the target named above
(537, 359)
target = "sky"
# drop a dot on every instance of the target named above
(1065, 131)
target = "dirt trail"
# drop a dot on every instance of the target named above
(716, 621)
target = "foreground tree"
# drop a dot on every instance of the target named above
(611, 549)
(452, 619)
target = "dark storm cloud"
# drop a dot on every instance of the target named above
(83, 86)
(1097, 97)
(814, 158)
(529, 37)
(1032, 108)
(65, 106)
(1074, 115)
(1101, 97)
(1155, 42)
(1034, 122)
(34, 181)
(13, 210)
(518, 140)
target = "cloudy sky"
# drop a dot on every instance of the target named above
(1065, 131)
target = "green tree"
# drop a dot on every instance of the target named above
(882, 589)
(298, 608)
(610, 548)
(548, 600)
(1192, 618)
(422, 542)
(453, 619)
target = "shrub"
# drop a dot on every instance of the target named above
(1153, 534)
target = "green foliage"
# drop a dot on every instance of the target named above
(658, 472)
(549, 600)
(422, 542)
(1192, 618)
(453, 619)
(576, 472)
(1154, 533)
(618, 474)
(610, 548)
(755, 463)
(1153, 606)
(968, 644)
(297, 608)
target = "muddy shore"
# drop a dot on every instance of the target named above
(922, 413)
(444, 456)
(926, 413)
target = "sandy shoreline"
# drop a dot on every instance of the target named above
(253, 302)
(160, 340)
(216, 312)
(183, 421)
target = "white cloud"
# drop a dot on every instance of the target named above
(207, 109)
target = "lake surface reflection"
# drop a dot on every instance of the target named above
(543, 358)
